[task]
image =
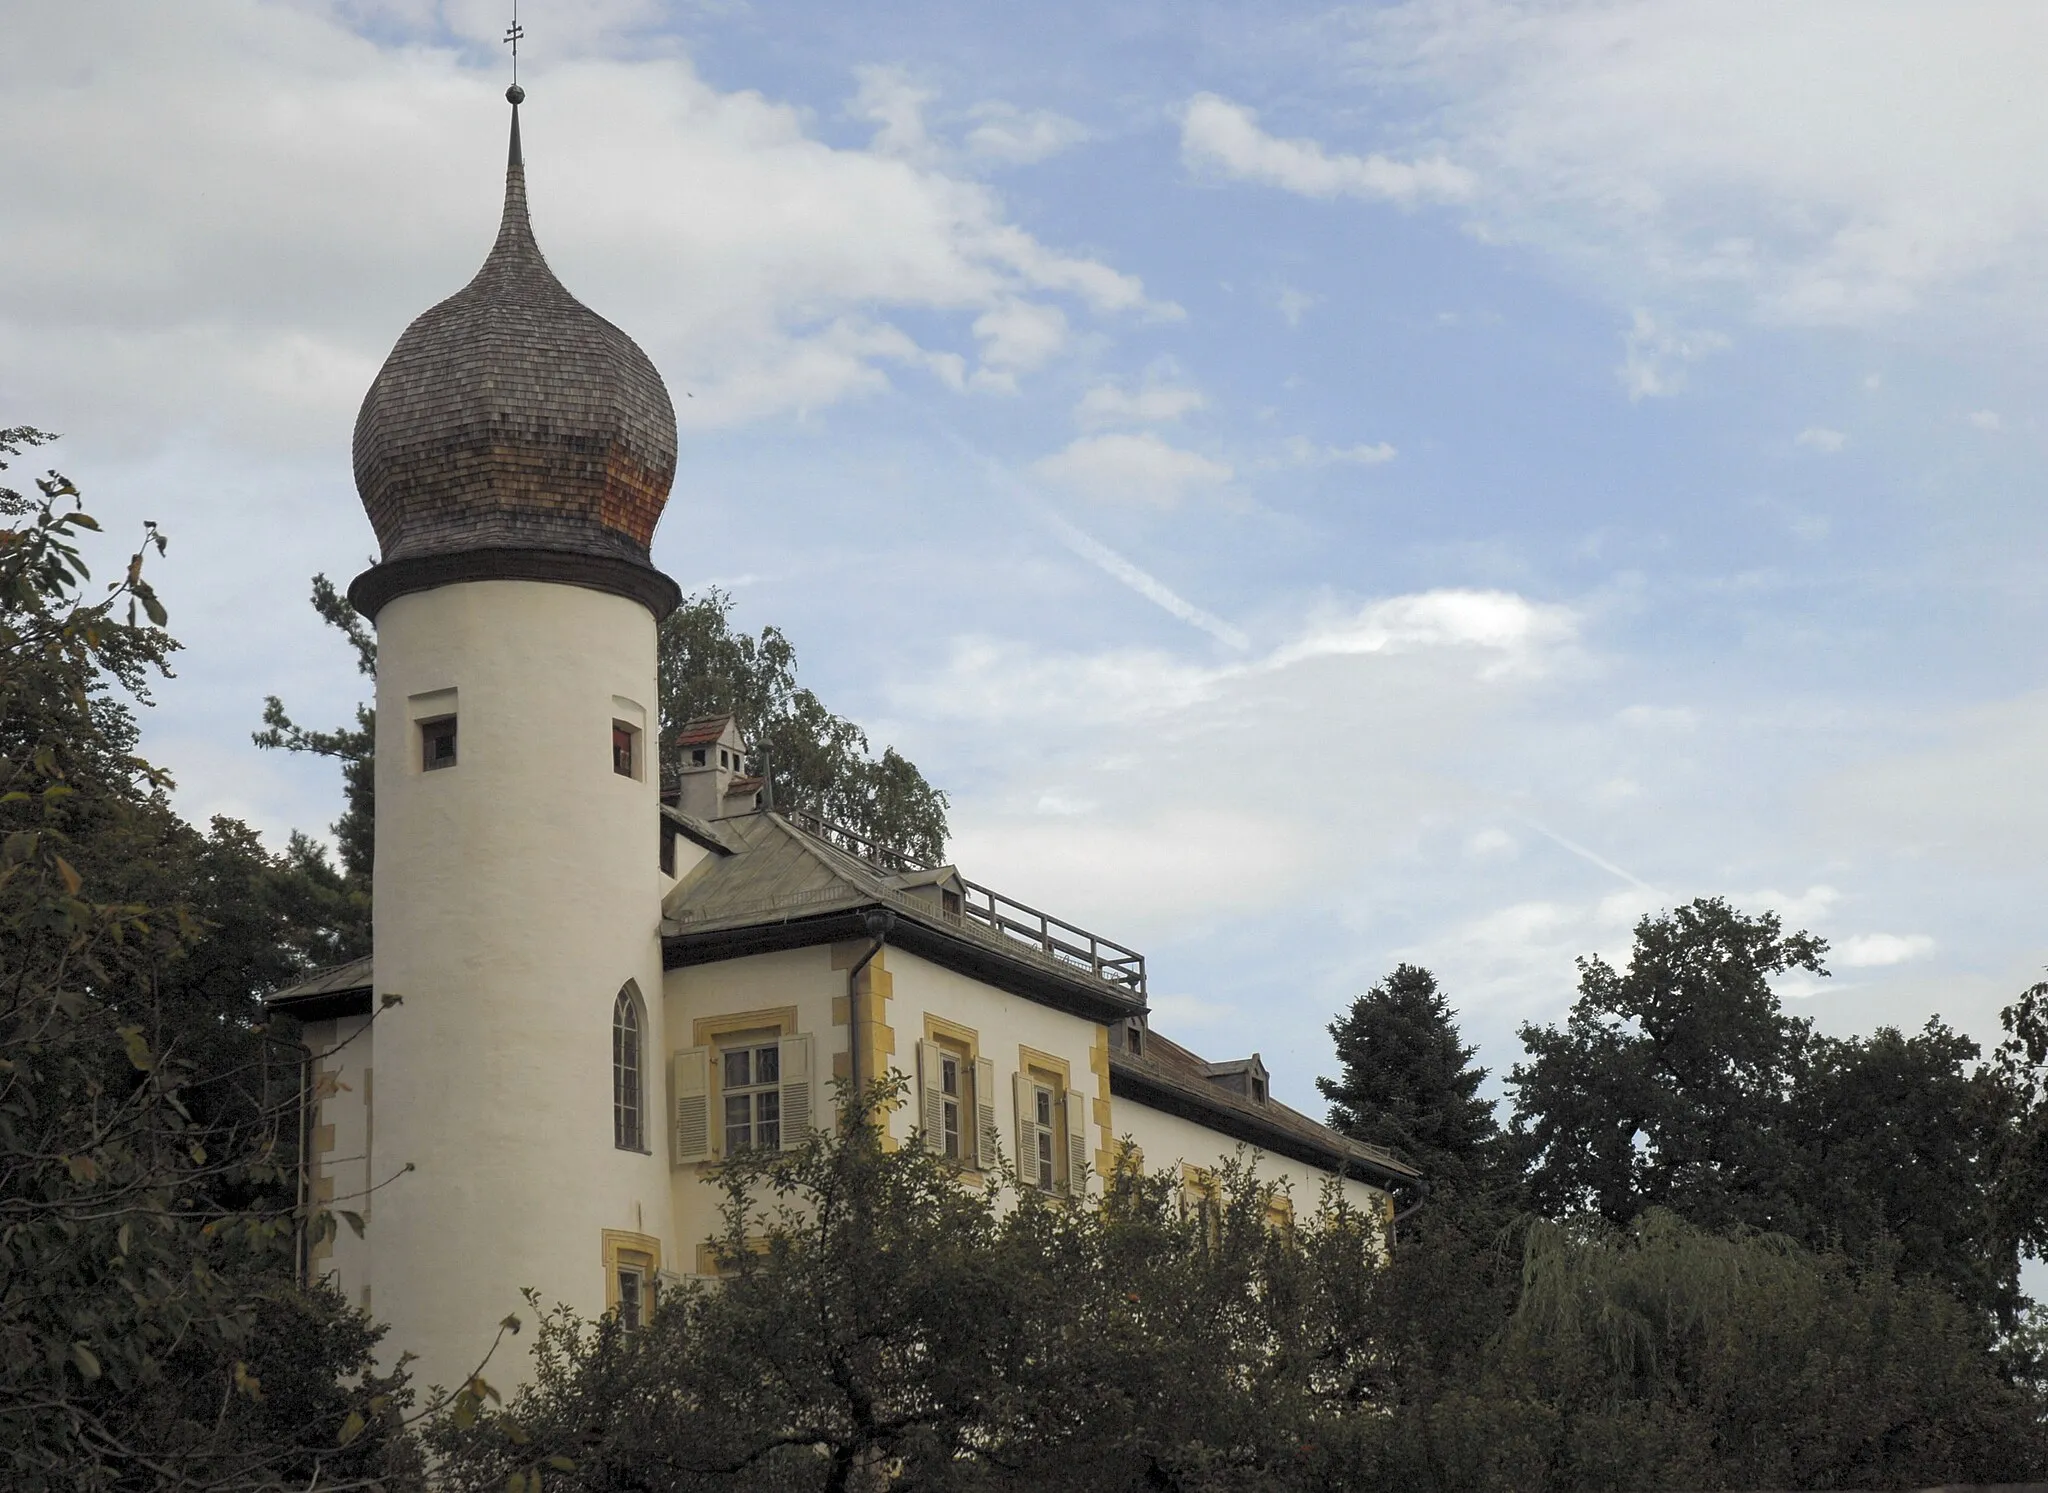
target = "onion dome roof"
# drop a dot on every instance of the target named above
(514, 432)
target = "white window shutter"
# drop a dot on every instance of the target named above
(692, 1072)
(796, 1091)
(1077, 1143)
(1027, 1131)
(988, 1141)
(931, 1096)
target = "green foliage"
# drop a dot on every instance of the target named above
(1667, 1083)
(1681, 1083)
(354, 747)
(883, 1322)
(151, 1334)
(1407, 1083)
(818, 760)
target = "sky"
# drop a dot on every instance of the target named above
(1318, 487)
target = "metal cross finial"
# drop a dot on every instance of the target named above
(512, 38)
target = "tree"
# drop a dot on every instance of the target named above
(1668, 1084)
(354, 747)
(151, 1330)
(817, 760)
(881, 1322)
(1407, 1081)
(1898, 1141)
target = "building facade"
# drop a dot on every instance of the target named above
(589, 985)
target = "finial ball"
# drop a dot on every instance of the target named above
(515, 95)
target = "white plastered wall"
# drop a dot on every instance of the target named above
(1004, 1025)
(340, 1143)
(1166, 1142)
(516, 892)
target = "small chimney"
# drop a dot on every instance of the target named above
(712, 776)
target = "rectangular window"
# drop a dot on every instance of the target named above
(949, 1106)
(750, 1078)
(697, 756)
(631, 1291)
(625, 750)
(437, 743)
(1042, 1099)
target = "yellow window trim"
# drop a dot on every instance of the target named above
(1029, 1058)
(706, 1031)
(623, 1248)
(707, 1255)
(938, 1029)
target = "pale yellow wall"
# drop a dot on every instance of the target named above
(1004, 1024)
(907, 989)
(798, 978)
(1167, 1141)
(515, 893)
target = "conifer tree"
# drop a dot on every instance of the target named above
(1407, 1081)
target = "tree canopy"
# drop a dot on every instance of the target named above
(152, 1330)
(1406, 1080)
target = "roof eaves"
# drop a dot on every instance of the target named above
(1272, 1126)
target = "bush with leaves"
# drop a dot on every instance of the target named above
(882, 1320)
(151, 1331)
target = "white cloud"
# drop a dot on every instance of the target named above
(1518, 630)
(1149, 404)
(1293, 303)
(892, 103)
(1662, 718)
(1123, 467)
(248, 281)
(1820, 438)
(1217, 135)
(1019, 137)
(1986, 420)
(1877, 950)
(1018, 335)
(1303, 452)
(1830, 161)
(1655, 355)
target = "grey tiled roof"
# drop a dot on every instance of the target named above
(510, 416)
(1170, 1075)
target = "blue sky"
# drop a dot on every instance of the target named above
(1319, 487)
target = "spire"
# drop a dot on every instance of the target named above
(515, 229)
(514, 161)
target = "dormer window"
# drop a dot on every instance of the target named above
(1134, 1039)
(1258, 1090)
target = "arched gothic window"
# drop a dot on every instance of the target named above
(629, 1086)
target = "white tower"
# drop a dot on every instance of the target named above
(514, 454)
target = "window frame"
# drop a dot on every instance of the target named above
(626, 738)
(432, 732)
(627, 1253)
(629, 1086)
(753, 1046)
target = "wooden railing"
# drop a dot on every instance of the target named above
(1014, 921)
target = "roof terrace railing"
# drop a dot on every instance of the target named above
(1107, 960)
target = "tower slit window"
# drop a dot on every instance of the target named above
(437, 743)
